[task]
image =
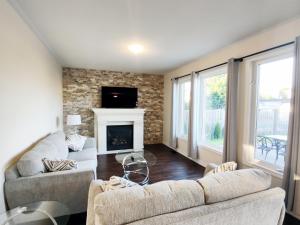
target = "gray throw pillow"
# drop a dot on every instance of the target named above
(58, 139)
(31, 164)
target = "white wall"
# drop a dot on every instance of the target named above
(274, 36)
(30, 89)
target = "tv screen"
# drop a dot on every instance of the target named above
(119, 97)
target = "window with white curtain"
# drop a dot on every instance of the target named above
(184, 88)
(212, 102)
(271, 107)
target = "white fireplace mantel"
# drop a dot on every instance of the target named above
(105, 117)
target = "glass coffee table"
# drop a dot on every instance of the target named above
(135, 168)
(38, 213)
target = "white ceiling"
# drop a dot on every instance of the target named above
(95, 33)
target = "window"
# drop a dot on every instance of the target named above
(184, 105)
(273, 79)
(212, 108)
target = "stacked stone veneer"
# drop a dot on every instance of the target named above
(82, 91)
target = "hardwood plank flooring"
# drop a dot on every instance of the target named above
(290, 220)
(170, 165)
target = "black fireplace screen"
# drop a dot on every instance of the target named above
(119, 137)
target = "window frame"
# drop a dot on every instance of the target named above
(202, 102)
(252, 69)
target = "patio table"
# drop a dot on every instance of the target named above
(278, 137)
(278, 140)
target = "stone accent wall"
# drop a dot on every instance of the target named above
(82, 90)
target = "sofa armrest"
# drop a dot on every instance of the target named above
(12, 173)
(90, 143)
(282, 215)
(95, 189)
(69, 187)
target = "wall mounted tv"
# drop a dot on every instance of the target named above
(119, 97)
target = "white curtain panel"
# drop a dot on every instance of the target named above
(174, 114)
(193, 117)
(230, 128)
(292, 167)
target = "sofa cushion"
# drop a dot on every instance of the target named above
(85, 154)
(224, 186)
(87, 164)
(90, 143)
(135, 203)
(262, 208)
(59, 140)
(31, 162)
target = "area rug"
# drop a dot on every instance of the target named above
(149, 156)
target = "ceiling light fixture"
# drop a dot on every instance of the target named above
(136, 48)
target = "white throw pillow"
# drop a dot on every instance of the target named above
(76, 142)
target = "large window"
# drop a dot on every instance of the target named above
(212, 108)
(273, 78)
(184, 104)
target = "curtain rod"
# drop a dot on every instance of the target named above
(266, 50)
(239, 59)
(199, 71)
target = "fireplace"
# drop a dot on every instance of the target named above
(119, 137)
(113, 121)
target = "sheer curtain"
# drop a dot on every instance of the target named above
(230, 128)
(292, 167)
(174, 113)
(193, 117)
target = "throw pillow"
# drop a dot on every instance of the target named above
(115, 183)
(59, 165)
(225, 167)
(76, 142)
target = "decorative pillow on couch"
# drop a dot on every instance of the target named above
(59, 165)
(224, 167)
(76, 142)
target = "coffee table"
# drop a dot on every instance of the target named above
(37, 213)
(135, 168)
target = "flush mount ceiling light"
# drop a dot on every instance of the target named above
(136, 48)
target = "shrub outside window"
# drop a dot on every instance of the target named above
(213, 86)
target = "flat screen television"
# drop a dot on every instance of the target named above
(119, 97)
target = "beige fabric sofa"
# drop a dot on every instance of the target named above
(240, 197)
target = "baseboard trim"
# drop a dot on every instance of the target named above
(293, 215)
(201, 163)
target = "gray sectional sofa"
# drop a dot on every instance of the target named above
(27, 181)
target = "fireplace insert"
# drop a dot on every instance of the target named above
(119, 137)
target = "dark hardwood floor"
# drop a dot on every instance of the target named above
(170, 165)
(290, 220)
